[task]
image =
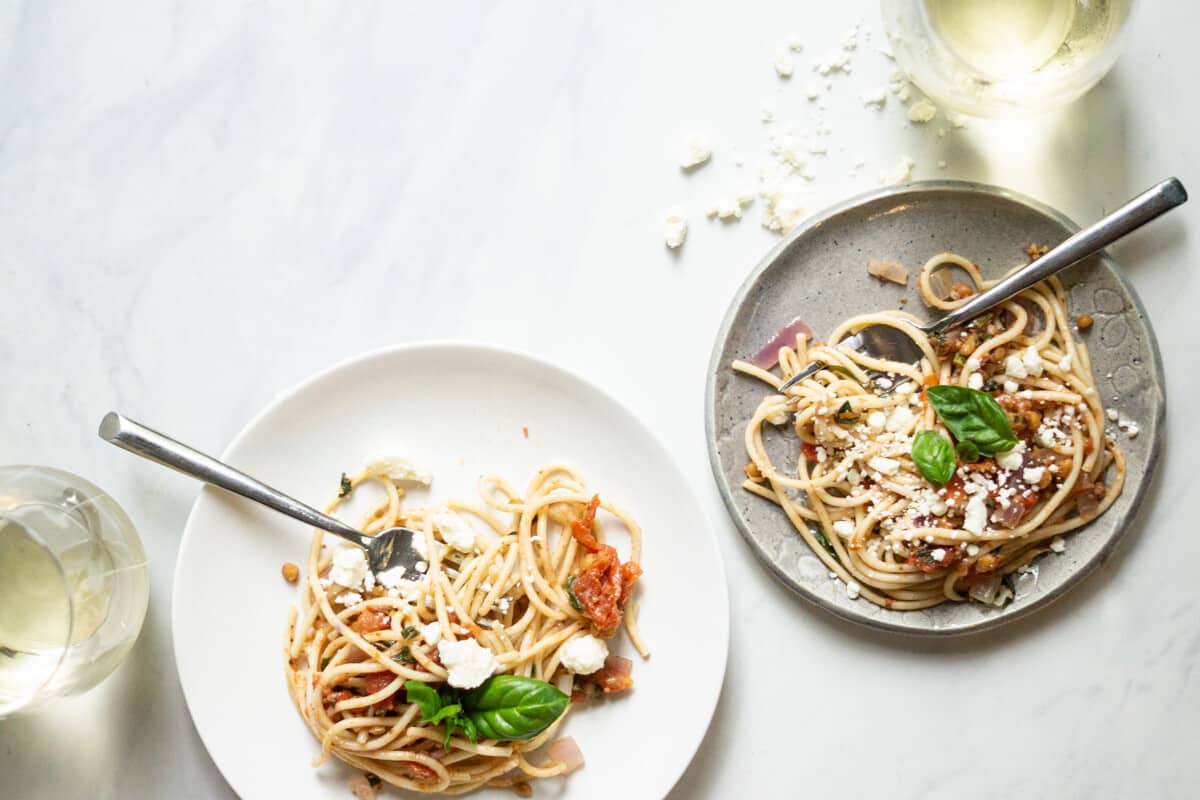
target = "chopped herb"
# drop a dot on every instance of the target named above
(820, 537)
(374, 780)
(959, 359)
(570, 587)
(409, 632)
(991, 385)
(845, 415)
(345, 486)
(405, 656)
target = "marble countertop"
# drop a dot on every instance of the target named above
(202, 203)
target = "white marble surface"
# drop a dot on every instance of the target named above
(201, 203)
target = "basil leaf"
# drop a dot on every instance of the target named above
(839, 369)
(507, 707)
(425, 698)
(409, 632)
(445, 712)
(934, 456)
(468, 726)
(968, 452)
(570, 587)
(819, 535)
(973, 416)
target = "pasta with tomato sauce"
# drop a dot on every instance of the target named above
(918, 484)
(462, 678)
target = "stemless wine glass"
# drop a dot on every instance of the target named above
(73, 586)
(993, 58)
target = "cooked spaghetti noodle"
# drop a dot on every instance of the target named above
(350, 649)
(862, 504)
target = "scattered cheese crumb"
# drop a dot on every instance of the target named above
(675, 229)
(843, 527)
(975, 381)
(976, 516)
(1058, 544)
(876, 99)
(730, 206)
(695, 151)
(884, 465)
(922, 111)
(852, 589)
(901, 173)
(784, 67)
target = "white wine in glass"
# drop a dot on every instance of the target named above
(73, 586)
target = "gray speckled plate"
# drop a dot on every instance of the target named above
(819, 274)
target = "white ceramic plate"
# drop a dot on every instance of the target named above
(460, 408)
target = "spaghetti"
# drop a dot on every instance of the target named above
(864, 506)
(514, 595)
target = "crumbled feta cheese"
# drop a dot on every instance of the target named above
(400, 471)
(1065, 363)
(876, 420)
(1011, 387)
(843, 527)
(922, 111)
(901, 173)
(1011, 459)
(1014, 367)
(794, 43)
(695, 151)
(976, 515)
(938, 508)
(1058, 544)
(853, 476)
(972, 549)
(1033, 475)
(938, 553)
(675, 228)
(956, 119)
(973, 364)
(899, 419)
(1112, 414)
(883, 383)
(432, 633)
(583, 655)
(852, 589)
(884, 465)
(730, 205)
(349, 567)
(467, 662)
(906, 388)
(456, 531)
(812, 91)
(876, 99)
(975, 381)
(784, 67)
(348, 598)
(1033, 361)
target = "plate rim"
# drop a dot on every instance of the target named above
(714, 365)
(395, 349)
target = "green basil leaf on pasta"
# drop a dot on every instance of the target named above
(973, 416)
(425, 698)
(570, 587)
(934, 456)
(344, 486)
(968, 452)
(445, 712)
(507, 707)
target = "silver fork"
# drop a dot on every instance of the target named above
(891, 344)
(385, 550)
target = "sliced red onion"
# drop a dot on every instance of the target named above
(566, 752)
(361, 788)
(618, 664)
(1010, 516)
(892, 271)
(768, 356)
(1088, 504)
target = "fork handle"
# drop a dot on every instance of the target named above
(152, 445)
(1137, 212)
